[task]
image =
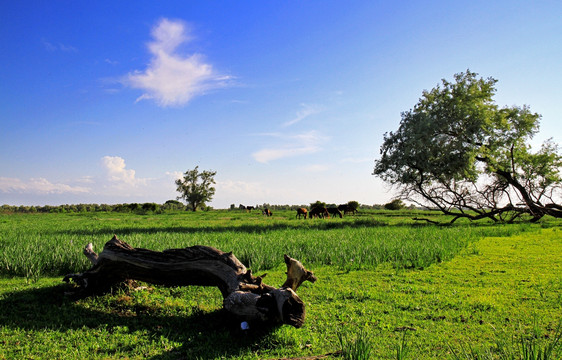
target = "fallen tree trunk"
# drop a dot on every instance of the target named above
(244, 295)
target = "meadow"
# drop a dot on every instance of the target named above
(388, 287)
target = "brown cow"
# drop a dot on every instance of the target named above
(302, 211)
(267, 212)
(320, 212)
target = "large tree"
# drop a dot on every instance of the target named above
(458, 151)
(196, 187)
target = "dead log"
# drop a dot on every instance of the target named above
(244, 295)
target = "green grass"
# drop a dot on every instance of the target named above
(388, 288)
(51, 244)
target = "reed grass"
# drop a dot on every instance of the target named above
(34, 245)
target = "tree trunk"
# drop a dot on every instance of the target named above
(245, 295)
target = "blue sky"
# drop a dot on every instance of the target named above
(109, 102)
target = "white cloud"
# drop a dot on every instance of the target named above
(292, 145)
(38, 186)
(306, 111)
(117, 174)
(170, 78)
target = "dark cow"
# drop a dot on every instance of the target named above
(267, 212)
(346, 209)
(250, 208)
(302, 211)
(320, 212)
(335, 212)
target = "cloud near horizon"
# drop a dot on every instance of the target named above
(38, 186)
(117, 179)
(170, 78)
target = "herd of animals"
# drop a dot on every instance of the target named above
(316, 212)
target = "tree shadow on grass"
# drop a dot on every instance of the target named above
(203, 335)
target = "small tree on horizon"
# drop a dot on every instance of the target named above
(318, 204)
(353, 205)
(395, 204)
(196, 187)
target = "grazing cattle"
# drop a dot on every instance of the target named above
(335, 212)
(302, 211)
(267, 212)
(250, 208)
(346, 209)
(320, 212)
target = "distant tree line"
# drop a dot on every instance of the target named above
(172, 205)
(138, 208)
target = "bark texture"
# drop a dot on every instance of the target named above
(245, 295)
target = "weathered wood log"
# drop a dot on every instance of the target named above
(245, 295)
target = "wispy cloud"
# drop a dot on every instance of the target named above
(172, 79)
(290, 146)
(38, 186)
(305, 111)
(49, 46)
(267, 155)
(111, 62)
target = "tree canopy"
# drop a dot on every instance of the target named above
(396, 204)
(458, 151)
(196, 187)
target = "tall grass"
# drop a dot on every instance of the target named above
(359, 347)
(34, 245)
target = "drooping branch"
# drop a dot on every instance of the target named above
(245, 295)
(536, 209)
(450, 202)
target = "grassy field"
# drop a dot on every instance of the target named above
(402, 289)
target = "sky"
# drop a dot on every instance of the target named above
(288, 101)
